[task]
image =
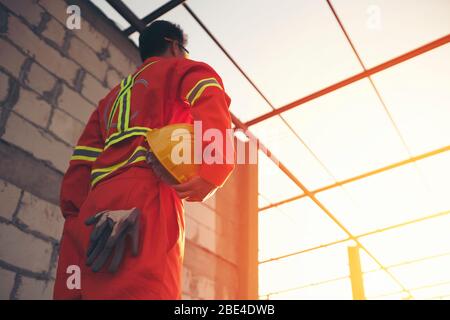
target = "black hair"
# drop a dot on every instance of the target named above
(152, 42)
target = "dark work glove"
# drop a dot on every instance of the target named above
(109, 234)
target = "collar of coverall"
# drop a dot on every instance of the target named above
(151, 59)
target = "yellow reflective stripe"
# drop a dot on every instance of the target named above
(141, 158)
(124, 85)
(131, 134)
(199, 87)
(105, 171)
(85, 153)
(124, 111)
(111, 137)
(199, 93)
(123, 123)
(127, 110)
(96, 180)
(197, 84)
(90, 159)
(125, 89)
(113, 167)
(115, 135)
(113, 108)
(145, 67)
(88, 148)
(119, 117)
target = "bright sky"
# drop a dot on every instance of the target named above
(293, 48)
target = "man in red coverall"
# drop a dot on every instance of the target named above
(109, 183)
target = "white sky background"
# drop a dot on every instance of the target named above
(292, 48)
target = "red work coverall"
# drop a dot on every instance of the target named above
(108, 172)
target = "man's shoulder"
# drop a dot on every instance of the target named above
(186, 65)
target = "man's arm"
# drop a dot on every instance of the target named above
(76, 182)
(202, 90)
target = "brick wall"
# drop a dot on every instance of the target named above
(50, 81)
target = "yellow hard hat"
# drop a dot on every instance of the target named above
(162, 143)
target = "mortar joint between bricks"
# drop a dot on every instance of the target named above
(9, 103)
(3, 19)
(52, 96)
(42, 26)
(103, 54)
(3, 220)
(46, 163)
(23, 272)
(63, 50)
(50, 119)
(25, 70)
(48, 134)
(32, 56)
(79, 79)
(69, 34)
(16, 15)
(18, 206)
(19, 224)
(53, 258)
(54, 45)
(15, 288)
(45, 134)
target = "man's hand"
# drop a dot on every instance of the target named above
(196, 189)
(109, 233)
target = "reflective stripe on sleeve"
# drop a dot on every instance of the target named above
(86, 153)
(198, 89)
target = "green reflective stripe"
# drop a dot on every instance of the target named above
(116, 135)
(119, 117)
(98, 171)
(145, 67)
(128, 135)
(127, 111)
(139, 154)
(120, 136)
(85, 153)
(123, 120)
(83, 158)
(88, 148)
(125, 103)
(199, 87)
(114, 106)
(98, 178)
(124, 86)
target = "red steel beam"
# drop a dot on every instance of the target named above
(404, 57)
